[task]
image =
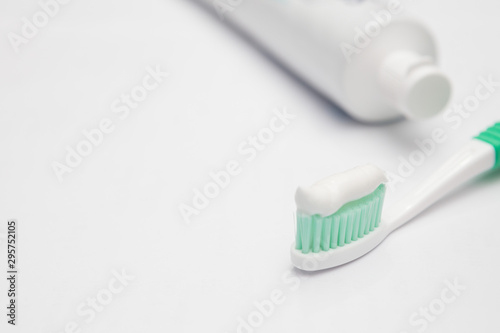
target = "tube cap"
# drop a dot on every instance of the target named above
(414, 85)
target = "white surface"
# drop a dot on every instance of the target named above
(119, 208)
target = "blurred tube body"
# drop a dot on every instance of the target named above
(367, 59)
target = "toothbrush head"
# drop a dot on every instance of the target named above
(325, 239)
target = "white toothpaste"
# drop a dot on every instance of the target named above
(328, 195)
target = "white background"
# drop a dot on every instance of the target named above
(119, 208)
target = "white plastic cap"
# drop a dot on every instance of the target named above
(414, 85)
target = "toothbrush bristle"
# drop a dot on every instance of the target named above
(352, 221)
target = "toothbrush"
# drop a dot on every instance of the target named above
(340, 219)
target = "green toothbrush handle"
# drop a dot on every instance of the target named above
(492, 136)
(480, 155)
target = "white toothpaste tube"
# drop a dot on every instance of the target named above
(366, 57)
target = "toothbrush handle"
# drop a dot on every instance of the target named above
(474, 159)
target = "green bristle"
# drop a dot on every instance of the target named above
(317, 226)
(352, 221)
(326, 233)
(342, 227)
(334, 239)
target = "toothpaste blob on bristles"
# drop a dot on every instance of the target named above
(328, 195)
